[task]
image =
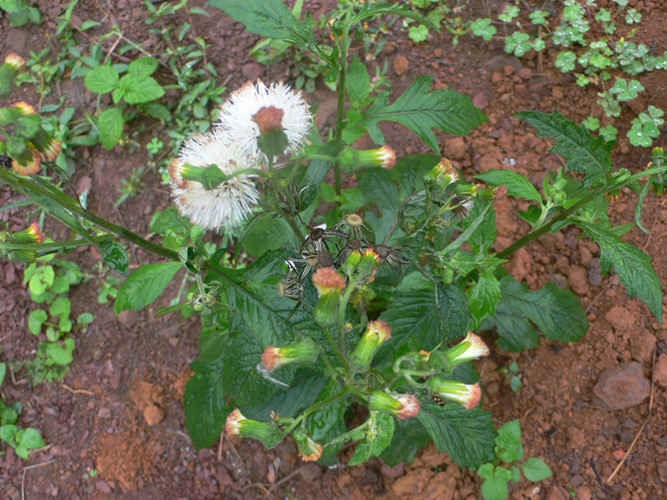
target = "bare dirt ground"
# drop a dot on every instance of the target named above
(115, 427)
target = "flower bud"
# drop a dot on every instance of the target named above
(15, 61)
(361, 266)
(470, 348)
(443, 174)
(328, 281)
(468, 395)
(400, 405)
(377, 333)
(305, 351)
(309, 450)
(272, 140)
(238, 425)
(31, 234)
(28, 163)
(352, 159)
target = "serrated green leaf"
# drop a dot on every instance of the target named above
(110, 124)
(467, 436)
(378, 187)
(29, 439)
(379, 433)
(582, 151)
(423, 317)
(517, 184)
(35, 321)
(140, 89)
(633, 266)
(556, 313)
(358, 81)
(145, 285)
(205, 398)
(101, 79)
(484, 296)
(535, 469)
(422, 110)
(495, 485)
(267, 232)
(144, 66)
(294, 400)
(268, 18)
(508, 444)
(157, 110)
(409, 437)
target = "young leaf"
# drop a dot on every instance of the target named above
(268, 18)
(27, 440)
(110, 125)
(267, 232)
(421, 110)
(535, 469)
(484, 296)
(145, 285)
(61, 355)
(517, 184)
(140, 89)
(379, 433)
(632, 265)
(35, 321)
(465, 435)
(144, 66)
(583, 152)
(358, 81)
(556, 313)
(508, 442)
(495, 482)
(101, 79)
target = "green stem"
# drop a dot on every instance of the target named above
(340, 113)
(44, 248)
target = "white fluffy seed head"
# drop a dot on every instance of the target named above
(237, 116)
(229, 204)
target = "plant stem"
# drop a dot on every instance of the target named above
(340, 112)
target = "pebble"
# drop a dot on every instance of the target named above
(252, 70)
(103, 487)
(622, 387)
(481, 100)
(490, 161)
(443, 485)
(578, 280)
(642, 344)
(622, 318)
(660, 372)
(393, 472)
(401, 64)
(455, 148)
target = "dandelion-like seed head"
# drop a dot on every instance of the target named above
(256, 109)
(226, 205)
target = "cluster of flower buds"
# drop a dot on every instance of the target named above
(266, 432)
(30, 235)
(401, 406)
(360, 267)
(352, 159)
(443, 174)
(305, 351)
(376, 334)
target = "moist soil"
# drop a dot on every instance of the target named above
(115, 425)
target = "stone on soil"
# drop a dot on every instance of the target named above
(660, 373)
(642, 344)
(622, 387)
(622, 318)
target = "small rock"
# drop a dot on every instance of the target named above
(557, 493)
(525, 73)
(622, 318)
(153, 415)
(594, 272)
(442, 486)
(393, 472)
(584, 493)
(622, 387)
(104, 413)
(310, 472)
(660, 372)
(521, 264)
(455, 148)
(412, 484)
(662, 471)
(103, 487)
(401, 64)
(481, 100)
(252, 71)
(642, 344)
(490, 161)
(578, 280)
(128, 318)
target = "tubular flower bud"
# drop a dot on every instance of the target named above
(28, 164)
(470, 348)
(24, 108)
(15, 61)
(377, 333)
(400, 405)
(361, 266)
(352, 159)
(443, 174)
(31, 234)
(305, 351)
(328, 281)
(309, 450)
(469, 395)
(238, 425)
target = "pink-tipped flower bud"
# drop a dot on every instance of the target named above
(31, 234)
(443, 174)
(327, 281)
(15, 61)
(309, 449)
(470, 348)
(400, 405)
(29, 164)
(352, 159)
(469, 395)
(360, 267)
(238, 425)
(303, 352)
(377, 333)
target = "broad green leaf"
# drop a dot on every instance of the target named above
(145, 285)
(484, 296)
(582, 151)
(328, 422)
(535, 469)
(633, 266)
(110, 125)
(424, 316)
(144, 66)
(496, 479)
(41, 280)
(508, 442)
(465, 435)
(101, 79)
(35, 321)
(206, 392)
(554, 312)
(292, 401)
(358, 81)
(60, 307)
(378, 187)
(409, 437)
(268, 18)
(268, 232)
(517, 184)
(379, 433)
(140, 89)
(422, 110)
(59, 354)
(8, 433)
(28, 439)
(409, 171)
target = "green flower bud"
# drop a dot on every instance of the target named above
(470, 348)
(377, 333)
(330, 285)
(400, 405)
(309, 450)
(238, 425)
(305, 351)
(469, 395)
(351, 159)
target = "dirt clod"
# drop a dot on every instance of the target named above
(622, 387)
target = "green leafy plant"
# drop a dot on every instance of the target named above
(343, 314)
(509, 451)
(21, 12)
(22, 440)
